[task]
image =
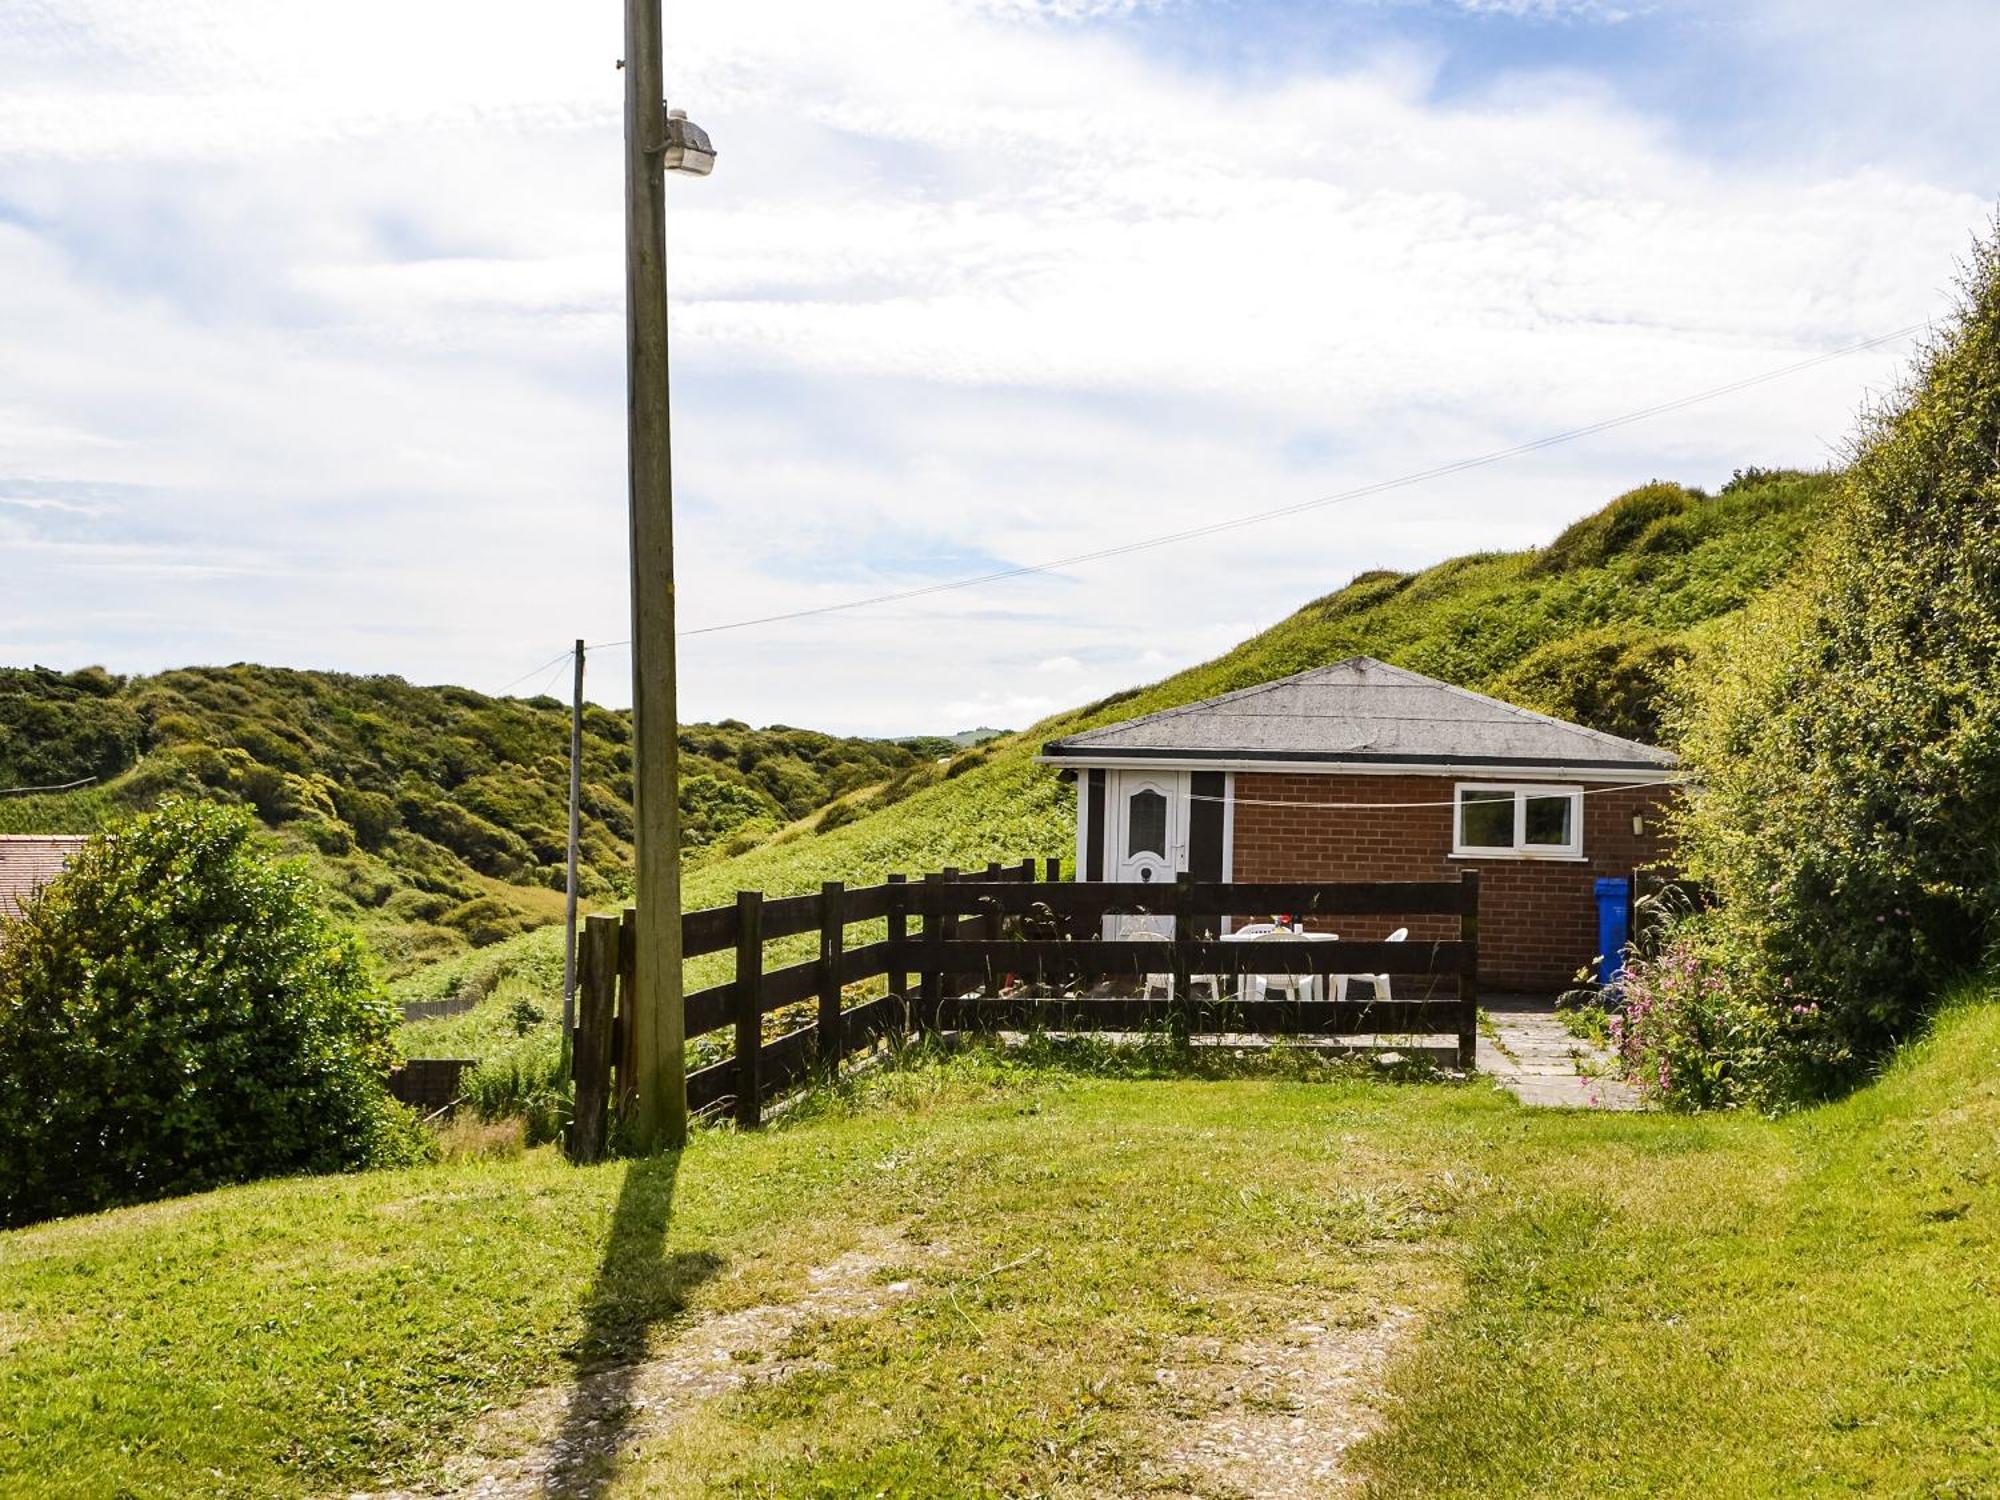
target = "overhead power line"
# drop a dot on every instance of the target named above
(1251, 518)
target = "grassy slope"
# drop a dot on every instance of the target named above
(1498, 622)
(1635, 1305)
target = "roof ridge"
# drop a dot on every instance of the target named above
(1229, 697)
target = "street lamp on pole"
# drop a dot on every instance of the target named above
(656, 141)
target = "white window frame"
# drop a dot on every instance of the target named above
(1522, 849)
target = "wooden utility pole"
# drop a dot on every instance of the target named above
(575, 828)
(660, 1110)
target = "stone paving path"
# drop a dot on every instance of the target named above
(1539, 1062)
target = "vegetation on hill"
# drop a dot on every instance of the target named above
(1847, 749)
(983, 1276)
(175, 1013)
(434, 818)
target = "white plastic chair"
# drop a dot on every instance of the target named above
(1295, 986)
(1148, 930)
(1244, 934)
(1378, 982)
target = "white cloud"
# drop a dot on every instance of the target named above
(335, 295)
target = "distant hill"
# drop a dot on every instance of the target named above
(435, 817)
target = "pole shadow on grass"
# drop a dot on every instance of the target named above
(639, 1285)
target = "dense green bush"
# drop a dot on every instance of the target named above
(58, 727)
(1848, 742)
(1613, 679)
(175, 1014)
(1620, 527)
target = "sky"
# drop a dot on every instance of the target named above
(312, 329)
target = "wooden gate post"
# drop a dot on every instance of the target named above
(1180, 1004)
(1468, 971)
(930, 976)
(749, 1006)
(625, 1036)
(597, 975)
(899, 937)
(950, 985)
(832, 950)
(992, 928)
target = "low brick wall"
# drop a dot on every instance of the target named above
(429, 1084)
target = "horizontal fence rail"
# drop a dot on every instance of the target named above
(1001, 949)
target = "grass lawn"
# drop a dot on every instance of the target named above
(1054, 1283)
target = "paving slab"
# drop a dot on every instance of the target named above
(1533, 1056)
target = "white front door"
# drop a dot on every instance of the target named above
(1148, 832)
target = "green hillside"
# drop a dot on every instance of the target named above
(434, 817)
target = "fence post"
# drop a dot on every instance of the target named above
(952, 985)
(931, 975)
(596, 978)
(1181, 1003)
(832, 948)
(899, 937)
(749, 1005)
(992, 927)
(1054, 875)
(1468, 971)
(625, 1063)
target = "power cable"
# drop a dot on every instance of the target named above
(535, 671)
(1404, 481)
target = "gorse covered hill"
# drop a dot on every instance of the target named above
(435, 817)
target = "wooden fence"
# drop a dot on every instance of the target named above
(1002, 950)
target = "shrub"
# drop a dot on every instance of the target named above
(1610, 679)
(527, 1081)
(174, 1015)
(1847, 743)
(1616, 528)
(1688, 1038)
(837, 816)
(372, 815)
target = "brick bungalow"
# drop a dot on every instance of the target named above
(1364, 771)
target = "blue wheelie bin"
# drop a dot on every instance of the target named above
(1614, 927)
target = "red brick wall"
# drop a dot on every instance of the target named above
(1538, 917)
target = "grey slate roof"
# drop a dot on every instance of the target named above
(29, 861)
(1362, 712)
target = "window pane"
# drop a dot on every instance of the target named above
(1146, 824)
(1486, 820)
(1552, 821)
